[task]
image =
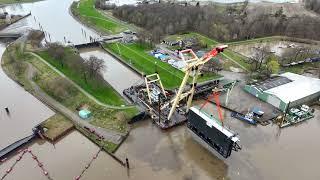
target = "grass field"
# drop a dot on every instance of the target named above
(87, 13)
(102, 91)
(137, 56)
(256, 40)
(57, 125)
(113, 119)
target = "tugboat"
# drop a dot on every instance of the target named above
(246, 118)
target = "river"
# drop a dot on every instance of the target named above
(54, 18)
(289, 154)
(26, 111)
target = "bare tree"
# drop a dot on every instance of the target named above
(35, 37)
(259, 58)
(234, 22)
(60, 88)
(95, 66)
(58, 52)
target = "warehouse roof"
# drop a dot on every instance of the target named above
(300, 87)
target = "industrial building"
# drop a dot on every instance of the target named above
(285, 90)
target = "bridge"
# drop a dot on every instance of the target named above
(97, 42)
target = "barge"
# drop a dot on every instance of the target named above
(159, 104)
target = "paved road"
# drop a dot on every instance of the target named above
(78, 87)
(109, 135)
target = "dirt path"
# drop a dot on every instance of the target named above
(109, 135)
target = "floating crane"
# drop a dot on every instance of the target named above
(193, 67)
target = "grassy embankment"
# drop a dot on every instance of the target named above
(57, 126)
(137, 56)
(88, 14)
(102, 117)
(112, 119)
(102, 91)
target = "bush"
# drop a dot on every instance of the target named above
(60, 88)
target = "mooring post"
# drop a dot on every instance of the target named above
(7, 110)
(127, 162)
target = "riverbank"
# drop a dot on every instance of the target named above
(136, 55)
(100, 89)
(103, 119)
(86, 13)
(56, 127)
(14, 19)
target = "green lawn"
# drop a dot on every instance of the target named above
(86, 11)
(101, 116)
(255, 40)
(138, 57)
(102, 91)
(56, 125)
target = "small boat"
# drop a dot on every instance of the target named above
(247, 118)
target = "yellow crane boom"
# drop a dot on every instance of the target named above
(193, 66)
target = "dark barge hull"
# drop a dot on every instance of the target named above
(211, 135)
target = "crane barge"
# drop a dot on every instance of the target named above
(168, 109)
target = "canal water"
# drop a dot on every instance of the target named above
(267, 153)
(116, 74)
(26, 111)
(54, 18)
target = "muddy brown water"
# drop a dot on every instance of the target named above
(25, 110)
(53, 17)
(267, 153)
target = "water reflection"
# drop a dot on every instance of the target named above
(52, 17)
(26, 111)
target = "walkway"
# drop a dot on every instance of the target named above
(109, 135)
(78, 87)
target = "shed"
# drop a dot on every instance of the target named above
(84, 113)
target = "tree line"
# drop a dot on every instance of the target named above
(91, 69)
(232, 23)
(313, 5)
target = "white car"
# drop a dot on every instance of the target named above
(305, 108)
